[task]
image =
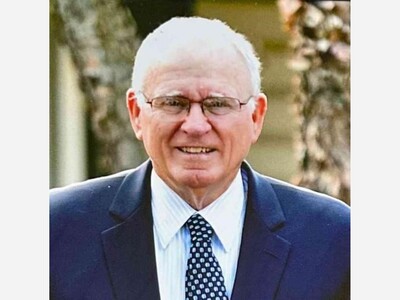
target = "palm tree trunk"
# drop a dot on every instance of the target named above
(320, 39)
(103, 40)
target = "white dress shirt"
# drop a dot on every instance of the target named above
(172, 238)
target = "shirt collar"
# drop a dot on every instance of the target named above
(170, 211)
(225, 214)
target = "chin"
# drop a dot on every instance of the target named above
(197, 178)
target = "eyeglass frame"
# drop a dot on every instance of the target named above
(147, 101)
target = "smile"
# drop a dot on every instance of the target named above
(196, 150)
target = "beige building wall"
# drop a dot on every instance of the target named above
(68, 140)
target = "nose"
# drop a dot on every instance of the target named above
(196, 123)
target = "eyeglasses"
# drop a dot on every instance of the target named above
(177, 105)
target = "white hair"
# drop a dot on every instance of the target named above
(202, 33)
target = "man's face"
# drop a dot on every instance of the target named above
(196, 151)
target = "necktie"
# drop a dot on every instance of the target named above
(204, 279)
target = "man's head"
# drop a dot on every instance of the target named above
(192, 37)
(195, 102)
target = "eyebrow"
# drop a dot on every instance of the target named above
(180, 94)
(172, 93)
(216, 95)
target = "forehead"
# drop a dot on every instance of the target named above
(208, 70)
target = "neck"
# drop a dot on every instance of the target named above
(200, 197)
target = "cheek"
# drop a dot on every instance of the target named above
(156, 136)
(242, 144)
(150, 135)
(245, 134)
(237, 138)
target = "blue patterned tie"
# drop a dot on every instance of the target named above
(204, 279)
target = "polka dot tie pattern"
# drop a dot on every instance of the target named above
(204, 279)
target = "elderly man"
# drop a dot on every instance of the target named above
(195, 221)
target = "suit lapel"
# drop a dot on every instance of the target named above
(263, 253)
(129, 246)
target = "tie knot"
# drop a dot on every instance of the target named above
(200, 229)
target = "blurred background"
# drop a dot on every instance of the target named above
(305, 51)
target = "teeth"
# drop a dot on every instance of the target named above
(196, 149)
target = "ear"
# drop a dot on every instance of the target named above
(259, 115)
(134, 112)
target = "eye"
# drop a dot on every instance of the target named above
(173, 102)
(220, 103)
(216, 103)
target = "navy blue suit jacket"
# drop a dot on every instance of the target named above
(295, 244)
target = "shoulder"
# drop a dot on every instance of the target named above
(296, 195)
(80, 206)
(314, 226)
(85, 191)
(301, 204)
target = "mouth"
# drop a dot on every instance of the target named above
(196, 150)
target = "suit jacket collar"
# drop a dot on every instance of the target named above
(134, 191)
(263, 253)
(129, 246)
(262, 198)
